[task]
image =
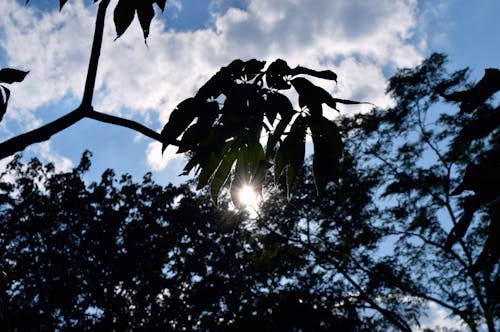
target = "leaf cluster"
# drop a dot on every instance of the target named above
(126, 10)
(224, 123)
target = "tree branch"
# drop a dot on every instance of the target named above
(41, 134)
(115, 120)
(88, 92)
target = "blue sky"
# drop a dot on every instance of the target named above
(363, 41)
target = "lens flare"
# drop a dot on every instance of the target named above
(248, 197)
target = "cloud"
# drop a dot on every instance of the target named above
(360, 40)
(439, 317)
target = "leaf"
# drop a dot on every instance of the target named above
(161, 4)
(145, 12)
(61, 4)
(123, 16)
(253, 67)
(280, 162)
(276, 75)
(324, 74)
(221, 174)
(215, 86)
(285, 109)
(180, 118)
(9, 75)
(312, 95)
(210, 168)
(3, 102)
(470, 99)
(327, 151)
(294, 145)
(277, 103)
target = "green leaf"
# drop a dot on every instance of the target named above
(210, 168)
(145, 12)
(123, 16)
(221, 174)
(9, 75)
(180, 118)
(327, 151)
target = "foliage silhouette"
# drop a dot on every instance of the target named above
(251, 104)
(121, 255)
(426, 155)
(227, 137)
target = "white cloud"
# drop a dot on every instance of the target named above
(438, 317)
(357, 39)
(156, 160)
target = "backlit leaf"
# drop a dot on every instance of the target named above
(221, 175)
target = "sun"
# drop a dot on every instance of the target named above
(248, 197)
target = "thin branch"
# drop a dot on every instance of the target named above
(44, 133)
(115, 120)
(88, 92)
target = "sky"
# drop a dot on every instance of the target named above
(364, 42)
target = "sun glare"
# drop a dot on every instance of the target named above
(248, 197)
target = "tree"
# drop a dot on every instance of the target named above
(221, 137)
(428, 153)
(121, 255)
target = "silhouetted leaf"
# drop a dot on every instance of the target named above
(3, 100)
(62, 3)
(324, 74)
(470, 99)
(327, 151)
(209, 169)
(9, 75)
(276, 75)
(253, 67)
(294, 150)
(180, 118)
(123, 16)
(490, 254)
(145, 13)
(312, 95)
(161, 4)
(221, 174)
